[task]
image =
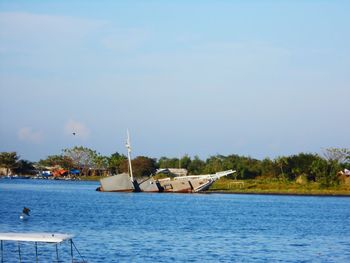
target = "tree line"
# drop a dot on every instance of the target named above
(314, 167)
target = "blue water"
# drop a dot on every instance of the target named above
(142, 227)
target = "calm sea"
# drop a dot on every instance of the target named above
(141, 227)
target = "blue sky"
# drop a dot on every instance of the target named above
(257, 78)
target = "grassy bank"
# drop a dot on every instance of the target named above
(269, 186)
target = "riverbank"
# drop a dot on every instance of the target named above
(269, 186)
(261, 186)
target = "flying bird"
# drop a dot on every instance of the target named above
(74, 133)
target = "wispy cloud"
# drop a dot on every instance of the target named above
(27, 134)
(39, 31)
(77, 129)
(121, 40)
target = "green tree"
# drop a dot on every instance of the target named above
(100, 163)
(8, 160)
(325, 172)
(196, 166)
(185, 161)
(233, 162)
(25, 167)
(114, 162)
(214, 164)
(57, 160)
(282, 163)
(300, 164)
(165, 162)
(247, 167)
(83, 158)
(141, 166)
(268, 168)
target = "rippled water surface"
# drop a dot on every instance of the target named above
(142, 227)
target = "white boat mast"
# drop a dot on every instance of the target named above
(128, 146)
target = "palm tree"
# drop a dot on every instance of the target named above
(281, 161)
(8, 160)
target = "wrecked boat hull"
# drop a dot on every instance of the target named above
(184, 184)
(176, 186)
(150, 186)
(117, 183)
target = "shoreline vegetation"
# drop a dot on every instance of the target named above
(299, 174)
(271, 187)
(266, 187)
(262, 187)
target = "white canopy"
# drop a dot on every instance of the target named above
(35, 237)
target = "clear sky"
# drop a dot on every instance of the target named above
(258, 78)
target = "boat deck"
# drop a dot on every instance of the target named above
(35, 237)
(51, 238)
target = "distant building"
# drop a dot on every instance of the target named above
(60, 172)
(173, 171)
(3, 171)
(344, 176)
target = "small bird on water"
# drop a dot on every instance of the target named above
(25, 213)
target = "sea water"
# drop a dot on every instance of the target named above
(161, 227)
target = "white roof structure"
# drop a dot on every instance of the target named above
(215, 176)
(35, 237)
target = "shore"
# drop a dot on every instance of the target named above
(264, 187)
(274, 187)
(268, 187)
(321, 193)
